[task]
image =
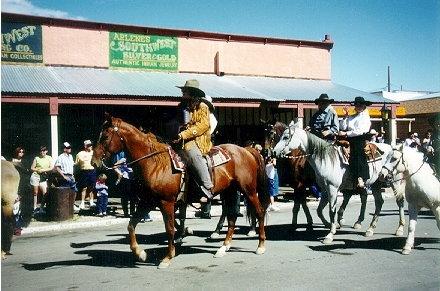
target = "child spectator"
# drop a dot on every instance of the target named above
(272, 176)
(102, 193)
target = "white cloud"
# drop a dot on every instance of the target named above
(26, 7)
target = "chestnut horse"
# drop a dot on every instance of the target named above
(152, 166)
(10, 182)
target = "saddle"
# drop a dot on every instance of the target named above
(372, 152)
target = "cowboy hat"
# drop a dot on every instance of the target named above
(373, 131)
(361, 100)
(324, 97)
(433, 119)
(66, 145)
(193, 85)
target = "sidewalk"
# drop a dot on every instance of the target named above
(87, 218)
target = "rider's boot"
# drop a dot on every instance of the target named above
(207, 193)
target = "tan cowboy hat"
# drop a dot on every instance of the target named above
(361, 100)
(194, 85)
(324, 97)
(373, 131)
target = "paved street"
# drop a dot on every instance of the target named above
(98, 257)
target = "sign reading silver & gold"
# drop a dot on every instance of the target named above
(140, 51)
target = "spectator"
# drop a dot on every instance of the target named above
(354, 128)
(272, 176)
(427, 139)
(102, 195)
(40, 168)
(433, 150)
(373, 135)
(124, 184)
(413, 141)
(87, 176)
(64, 167)
(381, 137)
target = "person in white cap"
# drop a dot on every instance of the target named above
(196, 137)
(64, 167)
(87, 176)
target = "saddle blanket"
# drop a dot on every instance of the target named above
(217, 155)
(372, 153)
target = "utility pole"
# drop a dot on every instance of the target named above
(389, 81)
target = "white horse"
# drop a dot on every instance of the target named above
(332, 174)
(422, 187)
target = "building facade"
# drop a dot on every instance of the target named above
(59, 76)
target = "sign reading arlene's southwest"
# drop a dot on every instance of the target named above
(140, 51)
(21, 43)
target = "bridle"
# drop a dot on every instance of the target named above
(390, 175)
(121, 138)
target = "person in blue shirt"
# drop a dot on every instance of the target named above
(102, 194)
(124, 183)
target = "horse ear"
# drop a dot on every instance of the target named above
(108, 117)
(292, 123)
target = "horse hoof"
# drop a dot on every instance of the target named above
(368, 233)
(143, 256)
(163, 265)
(252, 233)
(406, 251)
(327, 241)
(357, 225)
(189, 231)
(399, 232)
(221, 252)
(342, 221)
(260, 250)
(214, 235)
(178, 240)
(338, 225)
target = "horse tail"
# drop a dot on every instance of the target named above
(262, 183)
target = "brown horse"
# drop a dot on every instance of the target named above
(10, 182)
(152, 166)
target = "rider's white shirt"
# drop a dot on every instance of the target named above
(356, 124)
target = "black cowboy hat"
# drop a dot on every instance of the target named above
(193, 85)
(324, 97)
(433, 119)
(361, 100)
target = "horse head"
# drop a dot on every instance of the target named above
(394, 164)
(110, 141)
(272, 133)
(289, 140)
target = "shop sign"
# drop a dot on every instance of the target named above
(140, 51)
(22, 43)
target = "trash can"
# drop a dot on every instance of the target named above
(61, 200)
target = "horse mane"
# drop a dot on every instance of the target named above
(150, 141)
(320, 148)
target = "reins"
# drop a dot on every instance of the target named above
(116, 129)
(406, 167)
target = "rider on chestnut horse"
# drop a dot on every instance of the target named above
(196, 136)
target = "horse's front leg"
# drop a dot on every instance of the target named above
(347, 195)
(168, 219)
(232, 218)
(363, 195)
(400, 201)
(139, 253)
(332, 198)
(321, 206)
(413, 211)
(378, 202)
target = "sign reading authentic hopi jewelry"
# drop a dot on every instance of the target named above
(22, 43)
(140, 51)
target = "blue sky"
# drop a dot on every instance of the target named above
(369, 35)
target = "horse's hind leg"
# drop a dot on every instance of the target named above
(7, 230)
(308, 215)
